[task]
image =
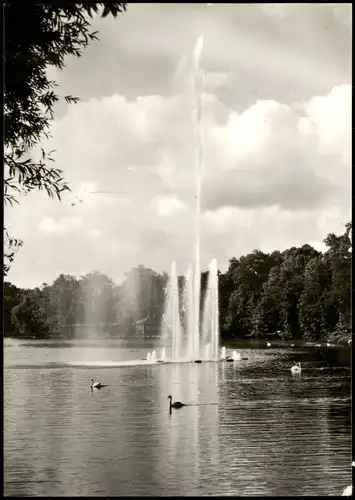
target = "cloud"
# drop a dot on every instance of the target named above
(167, 206)
(63, 226)
(331, 119)
(275, 174)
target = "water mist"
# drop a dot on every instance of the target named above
(196, 337)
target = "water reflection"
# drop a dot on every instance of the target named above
(268, 433)
(194, 385)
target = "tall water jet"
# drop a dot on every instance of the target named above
(236, 356)
(190, 314)
(163, 354)
(171, 323)
(153, 357)
(207, 352)
(198, 89)
(199, 337)
(223, 353)
(210, 329)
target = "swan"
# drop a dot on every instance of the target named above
(176, 404)
(268, 344)
(348, 491)
(296, 369)
(96, 385)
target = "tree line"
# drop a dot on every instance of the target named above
(299, 294)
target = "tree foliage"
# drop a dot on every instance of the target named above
(297, 294)
(38, 36)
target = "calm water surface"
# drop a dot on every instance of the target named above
(251, 429)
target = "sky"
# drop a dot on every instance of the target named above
(276, 128)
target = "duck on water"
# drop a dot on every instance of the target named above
(96, 385)
(176, 404)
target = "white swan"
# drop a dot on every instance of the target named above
(296, 369)
(348, 491)
(268, 344)
(96, 385)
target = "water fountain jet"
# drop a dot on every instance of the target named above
(236, 356)
(196, 337)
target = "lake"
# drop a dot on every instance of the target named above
(252, 428)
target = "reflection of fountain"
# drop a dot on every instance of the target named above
(202, 422)
(195, 338)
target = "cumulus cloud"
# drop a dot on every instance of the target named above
(63, 226)
(269, 172)
(276, 174)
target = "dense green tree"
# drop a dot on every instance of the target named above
(292, 276)
(267, 317)
(248, 276)
(30, 319)
(63, 299)
(12, 297)
(225, 288)
(38, 36)
(312, 302)
(339, 258)
(299, 293)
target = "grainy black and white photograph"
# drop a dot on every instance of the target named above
(177, 249)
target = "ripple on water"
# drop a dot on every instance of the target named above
(269, 434)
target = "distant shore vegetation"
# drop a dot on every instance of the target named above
(299, 294)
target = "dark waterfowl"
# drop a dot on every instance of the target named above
(96, 385)
(176, 404)
(198, 361)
